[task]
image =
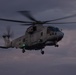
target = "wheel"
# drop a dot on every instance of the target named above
(42, 52)
(56, 45)
(23, 51)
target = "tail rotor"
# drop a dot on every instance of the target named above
(9, 33)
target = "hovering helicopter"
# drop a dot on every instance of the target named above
(37, 36)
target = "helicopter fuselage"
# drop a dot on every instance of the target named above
(37, 37)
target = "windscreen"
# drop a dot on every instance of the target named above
(53, 29)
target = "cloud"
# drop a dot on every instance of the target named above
(55, 61)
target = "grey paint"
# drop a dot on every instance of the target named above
(56, 61)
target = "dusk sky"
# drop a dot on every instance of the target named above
(55, 61)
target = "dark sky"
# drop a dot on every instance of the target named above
(55, 61)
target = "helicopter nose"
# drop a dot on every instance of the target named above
(61, 35)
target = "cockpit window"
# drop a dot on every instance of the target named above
(56, 29)
(53, 29)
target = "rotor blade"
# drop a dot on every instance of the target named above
(14, 20)
(74, 15)
(28, 15)
(62, 23)
(29, 24)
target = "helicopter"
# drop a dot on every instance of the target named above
(37, 36)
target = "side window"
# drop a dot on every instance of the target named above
(41, 33)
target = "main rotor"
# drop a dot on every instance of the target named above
(33, 21)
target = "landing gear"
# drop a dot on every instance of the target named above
(42, 52)
(23, 51)
(56, 45)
